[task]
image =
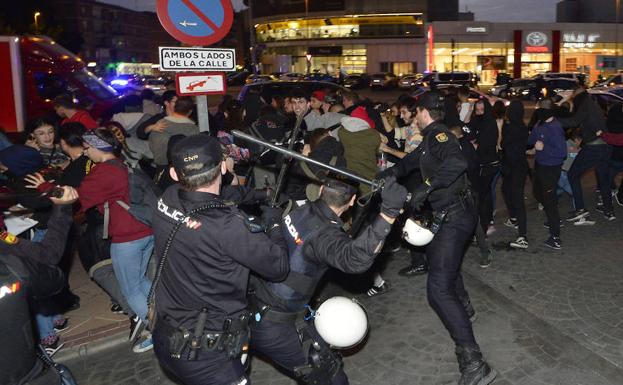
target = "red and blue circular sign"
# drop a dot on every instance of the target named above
(196, 22)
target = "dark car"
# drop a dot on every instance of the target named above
(409, 82)
(237, 78)
(321, 77)
(357, 81)
(383, 80)
(283, 88)
(537, 88)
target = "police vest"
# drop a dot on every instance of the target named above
(295, 292)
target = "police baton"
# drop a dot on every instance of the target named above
(375, 184)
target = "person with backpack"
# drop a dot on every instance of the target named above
(107, 187)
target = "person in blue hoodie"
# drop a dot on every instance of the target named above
(548, 139)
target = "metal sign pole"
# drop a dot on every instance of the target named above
(203, 114)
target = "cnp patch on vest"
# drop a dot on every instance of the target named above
(441, 137)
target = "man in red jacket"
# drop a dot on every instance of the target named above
(66, 108)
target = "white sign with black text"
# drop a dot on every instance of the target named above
(197, 59)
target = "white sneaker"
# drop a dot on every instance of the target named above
(586, 221)
(143, 346)
(519, 243)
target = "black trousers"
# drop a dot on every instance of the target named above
(445, 290)
(210, 368)
(513, 186)
(280, 342)
(545, 185)
(485, 198)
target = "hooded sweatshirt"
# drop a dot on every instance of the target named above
(360, 146)
(515, 136)
(486, 130)
(554, 145)
(589, 117)
(158, 141)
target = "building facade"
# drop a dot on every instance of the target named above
(589, 11)
(524, 49)
(351, 36)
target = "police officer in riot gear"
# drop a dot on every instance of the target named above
(446, 188)
(206, 250)
(28, 274)
(316, 242)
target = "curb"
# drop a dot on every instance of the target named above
(93, 341)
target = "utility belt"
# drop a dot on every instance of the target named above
(185, 344)
(464, 200)
(263, 312)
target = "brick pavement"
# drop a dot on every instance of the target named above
(544, 318)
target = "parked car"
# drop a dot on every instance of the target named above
(605, 97)
(612, 81)
(577, 76)
(260, 79)
(157, 85)
(408, 82)
(357, 81)
(460, 78)
(321, 77)
(474, 94)
(283, 88)
(383, 80)
(537, 88)
(292, 76)
(237, 78)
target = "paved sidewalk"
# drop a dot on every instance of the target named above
(544, 318)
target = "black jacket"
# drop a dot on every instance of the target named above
(210, 259)
(514, 136)
(486, 130)
(441, 162)
(588, 116)
(328, 247)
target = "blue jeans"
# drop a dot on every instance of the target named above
(591, 156)
(130, 261)
(45, 322)
(565, 186)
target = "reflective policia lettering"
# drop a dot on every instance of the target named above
(9, 289)
(177, 216)
(292, 230)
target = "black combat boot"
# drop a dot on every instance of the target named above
(474, 369)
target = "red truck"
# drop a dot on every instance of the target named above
(34, 70)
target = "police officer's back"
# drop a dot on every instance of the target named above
(203, 280)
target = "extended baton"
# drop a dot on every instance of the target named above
(375, 184)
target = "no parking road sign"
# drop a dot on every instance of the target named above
(196, 22)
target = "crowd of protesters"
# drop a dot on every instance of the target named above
(104, 161)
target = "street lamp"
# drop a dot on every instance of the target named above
(37, 14)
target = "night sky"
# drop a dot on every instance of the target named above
(489, 10)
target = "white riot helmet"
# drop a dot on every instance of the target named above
(342, 322)
(416, 234)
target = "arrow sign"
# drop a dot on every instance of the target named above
(196, 22)
(209, 83)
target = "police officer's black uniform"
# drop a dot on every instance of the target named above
(446, 188)
(203, 282)
(316, 242)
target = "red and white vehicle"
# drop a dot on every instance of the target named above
(34, 70)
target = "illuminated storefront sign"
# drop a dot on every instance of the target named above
(536, 42)
(579, 40)
(476, 29)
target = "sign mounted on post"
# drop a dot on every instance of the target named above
(197, 59)
(195, 83)
(196, 22)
